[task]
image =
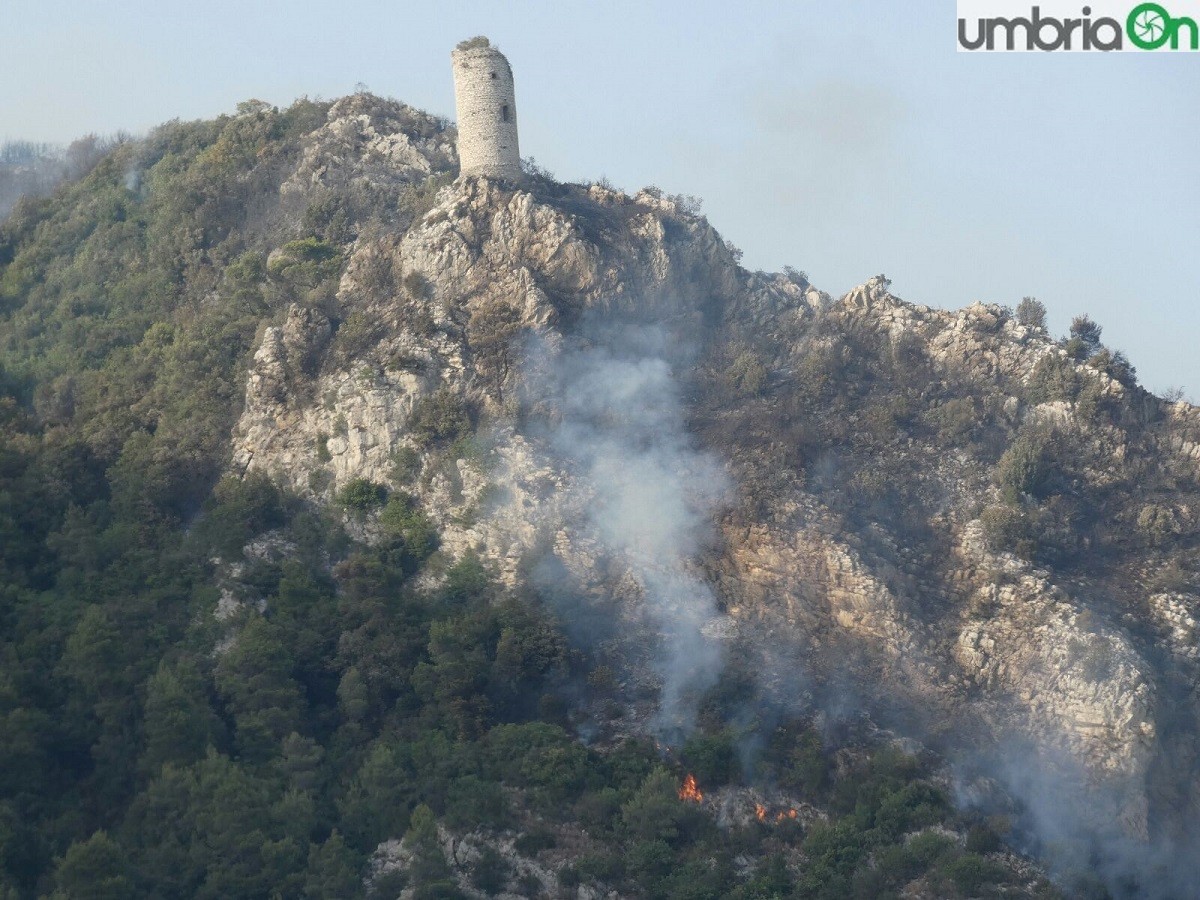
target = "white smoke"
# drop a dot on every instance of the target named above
(617, 425)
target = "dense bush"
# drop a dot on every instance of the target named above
(1053, 378)
(402, 518)
(1031, 466)
(362, 494)
(440, 418)
(711, 758)
(306, 262)
(1010, 529)
(956, 420)
(746, 375)
(1031, 312)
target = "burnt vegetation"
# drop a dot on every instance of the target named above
(871, 426)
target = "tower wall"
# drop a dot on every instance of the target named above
(486, 105)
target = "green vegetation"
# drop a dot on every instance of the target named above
(148, 749)
(362, 494)
(440, 418)
(491, 332)
(404, 520)
(1029, 466)
(406, 465)
(308, 261)
(746, 375)
(1031, 312)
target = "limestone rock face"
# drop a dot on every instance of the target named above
(479, 247)
(371, 144)
(979, 646)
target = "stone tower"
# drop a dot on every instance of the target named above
(486, 104)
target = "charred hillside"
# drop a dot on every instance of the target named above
(383, 531)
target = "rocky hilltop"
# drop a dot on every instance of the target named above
(369, 530)
(979, 531)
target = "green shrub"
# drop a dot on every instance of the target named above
(441, 417)
(569, 877)
(306, 262)
(1093, 656)
(491, 872)
(896, 864)
(608, 867)
(529, 885)
(1053, 378)
(955, 420)
(472, 801)
(1092, 403)
(930, 846)
(653, 813)
(362, 494)
(834, 852)
(541, 757)
(416, 285)
(95, 869)
(1030, 467)
(650, 861)
(389, 884)
(1010, 529)
(406, 465)
(885, 419)
(805, 767)
(746, 375)
(402, 518)
(534, 841)
(1076, 348)
(466, 581)
(1031, 312)
(1116, 365)
(238, 510)
(982, 839)
(917, 804)
(1087, 332)
(710, 758)
(597, 810)
(1171, 577)
(356, 333)
(970, 872)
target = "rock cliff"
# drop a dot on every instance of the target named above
(874, 523)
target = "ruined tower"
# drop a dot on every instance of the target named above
(486, 104)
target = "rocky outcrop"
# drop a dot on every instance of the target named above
(1178, 615)
(450, 306)
(514, 874)
(371, 144)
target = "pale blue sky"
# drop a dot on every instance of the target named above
(843, 138)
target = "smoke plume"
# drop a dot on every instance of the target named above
(614, 419)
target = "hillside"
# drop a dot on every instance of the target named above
(365, 531)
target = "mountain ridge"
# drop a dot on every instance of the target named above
(548, 379)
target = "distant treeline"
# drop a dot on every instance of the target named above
(29, 168)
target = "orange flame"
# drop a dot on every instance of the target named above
(790, 814)
(760, 812)
(689, 792)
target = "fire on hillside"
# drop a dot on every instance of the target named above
(688, 792)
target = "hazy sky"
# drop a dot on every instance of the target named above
(843, 138)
